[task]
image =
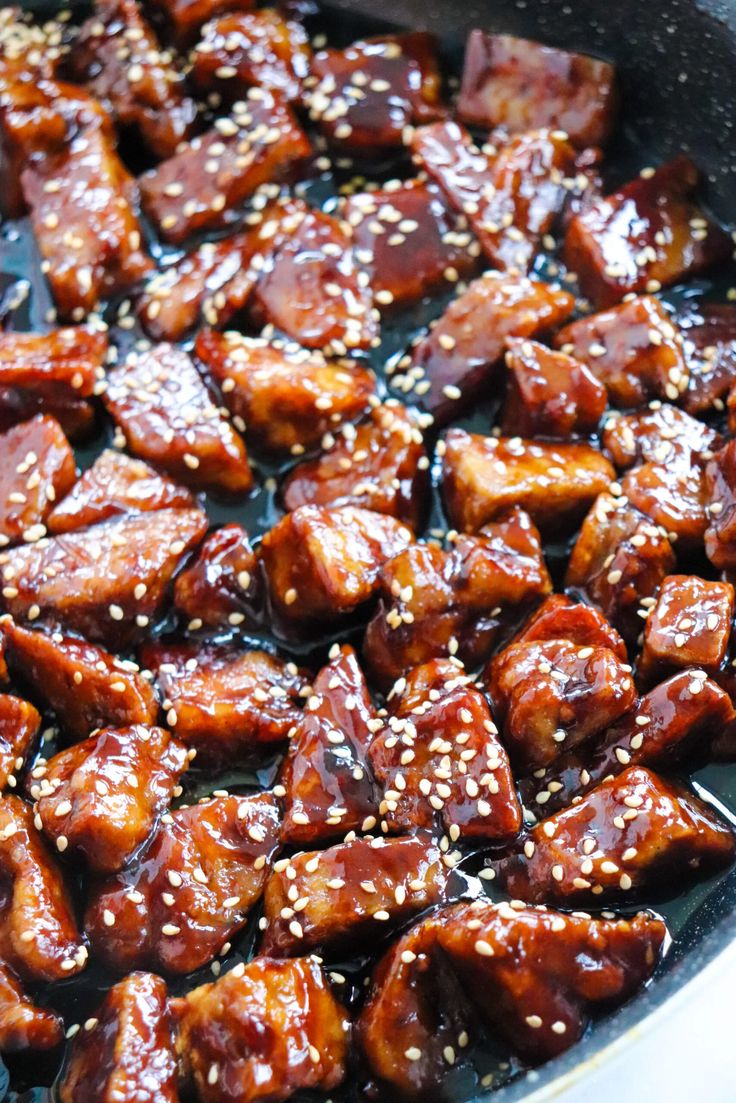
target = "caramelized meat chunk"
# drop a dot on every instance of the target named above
(398, 84)
(322, 563)
(674, 496)
(439, 760)
(223, 701)
(19, 724)
(351, 892)
(57, 368)
(381, 465)
(720, 486)
(435, 603)
(286, 397)
(260, 142)
(520, 85)
(268, 1029)
(662, 434)
(108, 582)
(38, 469)
(183, 18)
(189, 889)
(161, 403)
(709, 337)
(484, 476)
(23, 1024)
(690, 625)
(634, 350)
(632, 832)
(645, 236)
(39, 939)
(328, 783)
(75, 415)
(457, 358)
(115, 484)
(549, 394)
(103, 795)
(560, 618)
(220, 586)
(127, 1053)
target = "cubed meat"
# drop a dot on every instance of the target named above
(662, 434)
(75, 415)
(221, 585)
(126, 1052)
(485, 476)
(720, 485)
(183, 18)
(648, 235)
(189, 889)
(561, 618)
(19, 725)
(690, 625)
(631, 833)
(675, 496)
(64, 364)
(519, 84)
(23, 1024)
(38, 469)
(709, 341)
(549, 394)
(168, 417)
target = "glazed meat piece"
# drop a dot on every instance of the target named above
(286, 397)
(453, 364)
(674, 495)
(321, 563)
(75, 415)
(690, 625)
(328, 783)
(117, 56)
(521, 85)
(560, 618)
(632, 832)
(225, 702)
(709, 336)
(267, 1029)
(38, 469)
(351, 893)
(259, 143)
(440, 761)
(127, 1053)
(162, 405)
(649, 234)
(409, 241)
(634, 350)
(104, 795)
(720, 486)
(485, 476)
(19, 725)
(435, 603)
(549, 394)
(220, 586)
(662, 434)
(39, 939)
(680, 718)
(108, 582)
(189, 889)
(364, 98)
(549, 696)
(27, 47)
(23, 1024)
(183, 18)
(115, 484)
(618, 562)
(259, 48)
(56, 369)
(381, 465)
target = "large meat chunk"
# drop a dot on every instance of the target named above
(561, 618)
(549, 394)
(23, 1024)
(675, 496)
(220, 587)
(19, 725)
(661, 434)
(709, 335)
(720, 486)
(690, 625)
(38, 468)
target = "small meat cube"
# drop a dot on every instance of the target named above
(23, 1024)
(75, 415)
(259, 48)
(409, 241)
(510, 198)
(127, 1053)
(286, 398)
(720, 486)
(348, 890)
(381, 465)
(549, 394)
(189, 889)
(260, 142)
(632, 832)
(437, 603)
(86, 687)
(221, 584)
(108, 582)
(677, 720)
(484, 476)
(117, 56)
(38, 469)
(65, 364)
(674, 495)
(398, 84)
(456, 360)
(322, 563)
(115, 484)
(39, 939)
(162, 405)
(552, 695)
(634, 350)
(183, 18)
(226, 702)
(103, 795)
(443, 762)
(648, 235)
(662, 434)
(690, 625)
(521, 85)
(561, 618)
(19, 724)
(268, 1028)
(709, 341)
(328, 783)
(618, 562)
